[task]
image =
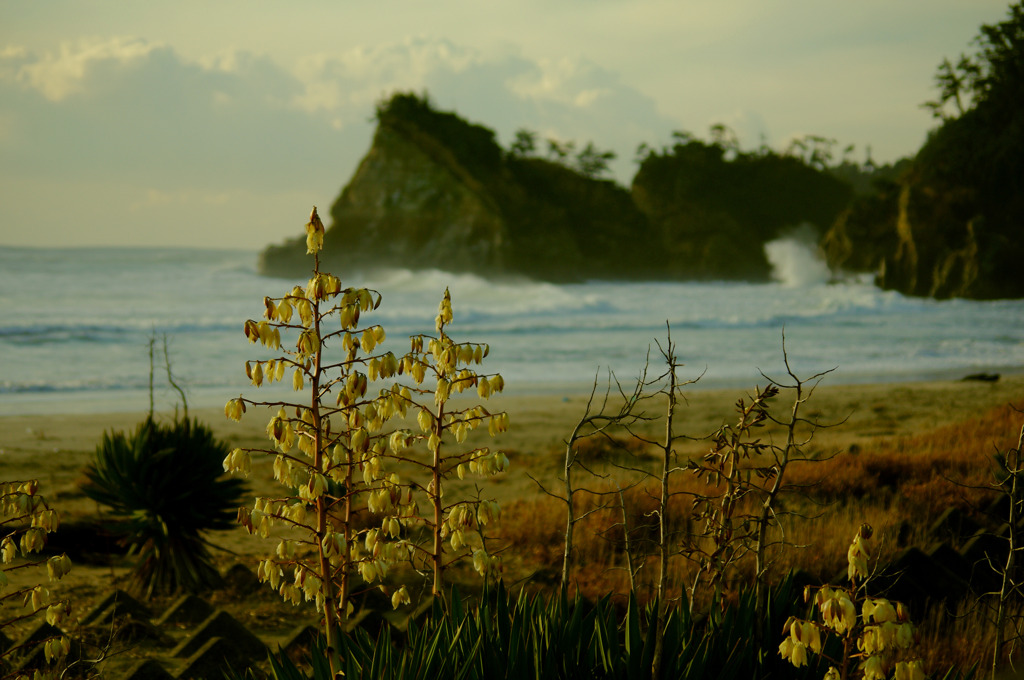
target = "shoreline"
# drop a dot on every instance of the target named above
(541, 420)
(110, 403)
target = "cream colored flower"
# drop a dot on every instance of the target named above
(400, 597)
(912, 670)
(234, 409)
(873, 669)
(481, 562)
(799, 655)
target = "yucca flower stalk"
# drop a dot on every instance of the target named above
(450, 364)
(329, 446)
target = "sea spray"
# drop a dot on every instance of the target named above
(795, 258)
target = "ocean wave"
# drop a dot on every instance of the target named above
(70, 386)
(44, 334)
(88, 335)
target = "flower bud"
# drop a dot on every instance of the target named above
(251, 330)
(314, 233)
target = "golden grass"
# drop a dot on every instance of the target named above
(898, 485)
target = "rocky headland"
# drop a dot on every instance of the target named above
(436, 191)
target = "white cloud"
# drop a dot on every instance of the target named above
(124, 127)
(58, 76)
(130, 110)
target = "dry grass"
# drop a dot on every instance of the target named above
(919, 475)
(896, 484)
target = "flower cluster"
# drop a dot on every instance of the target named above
(882, 637)
(22, 506)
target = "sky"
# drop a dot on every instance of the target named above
(199, 124)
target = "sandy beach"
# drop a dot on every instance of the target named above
(54, 448)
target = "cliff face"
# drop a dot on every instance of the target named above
(923, 241)
(406, 204)
(950, 227)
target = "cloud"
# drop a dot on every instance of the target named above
(58, 76)
(565, 98)
(124, 124)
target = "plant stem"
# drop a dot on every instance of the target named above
(1013, 467)
(570, 506)
(666, 471)
(326, 582)
(435, 499)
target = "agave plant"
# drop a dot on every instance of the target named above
(168, 483)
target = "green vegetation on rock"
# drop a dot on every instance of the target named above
(950, 226)
(437, 191)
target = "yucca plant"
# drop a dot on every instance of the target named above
(168, 483)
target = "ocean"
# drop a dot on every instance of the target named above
(77, 323)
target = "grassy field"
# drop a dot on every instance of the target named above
(894, 456)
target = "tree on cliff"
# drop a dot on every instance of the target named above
(986, 89)
(592, 162)
(994, 76)
(950, 225)
(976, 157)
(525, 143)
